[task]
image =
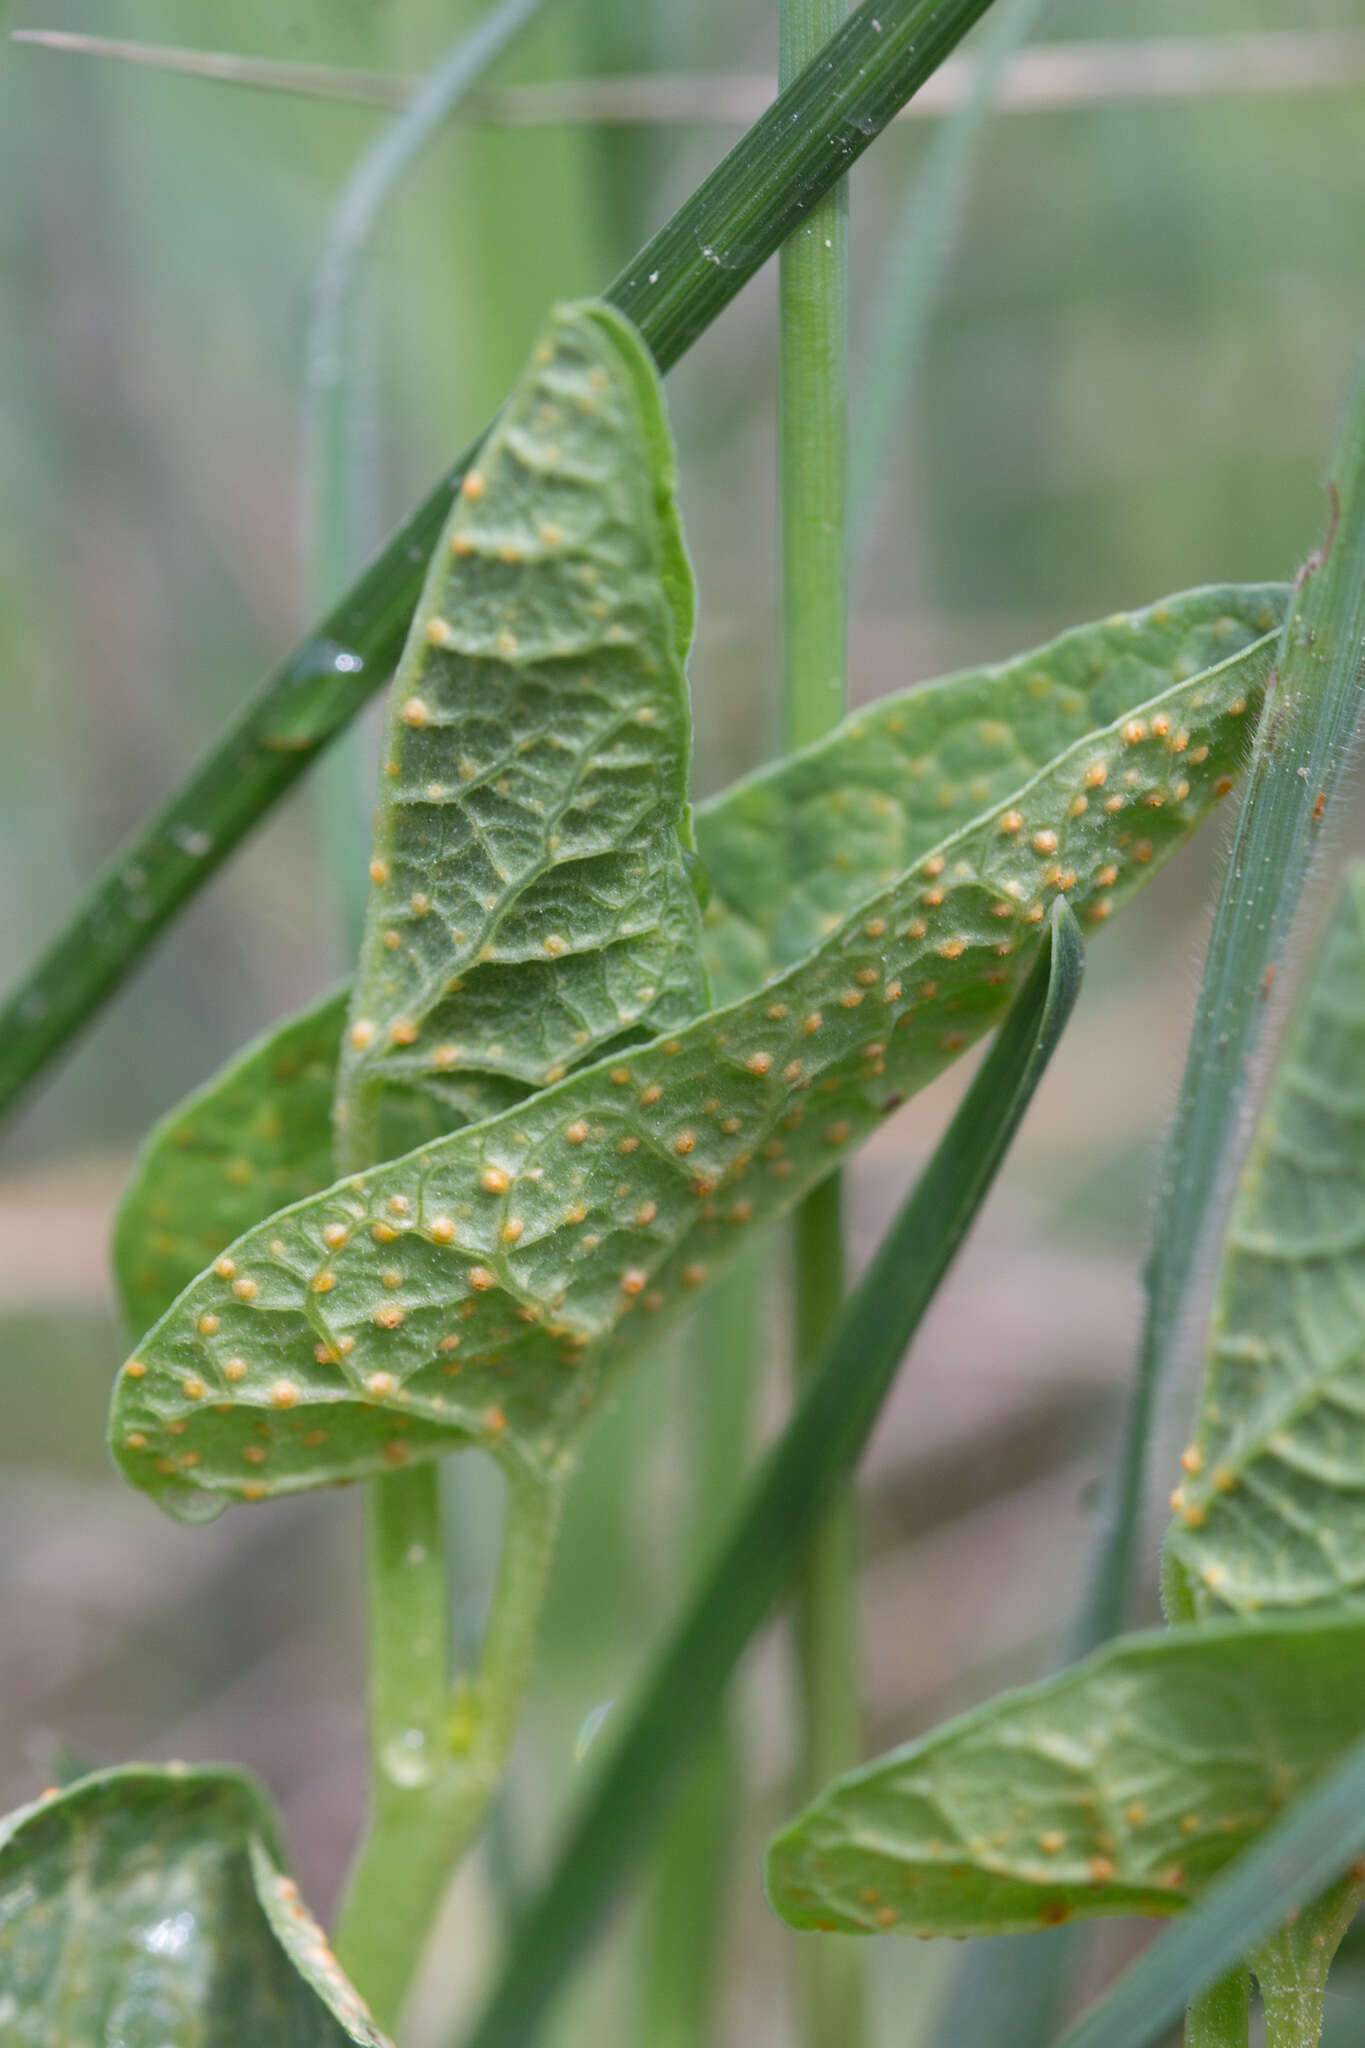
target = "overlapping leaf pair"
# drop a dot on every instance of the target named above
(582, 1090)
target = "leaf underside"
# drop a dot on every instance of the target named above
(146, 1908)
(529, 903)
(882, 790)
(483, 1287)
(1270, 1512)
(1122, 1787)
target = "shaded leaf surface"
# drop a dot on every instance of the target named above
(794, 849)
(529, 902)
(801, 843)
(484, 1286)
(1123, 1786)
(146, 1908)
(255, 1138)
(1271, 1508)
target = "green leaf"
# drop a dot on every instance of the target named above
(146, 1908)
(883, 788)
(793, 850)
(815, 1455)
(529, 903)
(1294, 1861)
(484, 1287)
(255, 1138)
(1124, 1786)
(1271, 1510)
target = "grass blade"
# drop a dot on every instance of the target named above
(1312, 710)
(677, 285)
(818, 1449)
(1295, 1859)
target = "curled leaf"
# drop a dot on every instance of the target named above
(146, 1905)
(1270, 1509)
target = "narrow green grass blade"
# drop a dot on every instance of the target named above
(888, 783)
(1122, 1787)
(1301, 746)
(149, 1905)
(816, 1452)
(1271, 1507)
(529, 903)
(487, 1287)
(1295, 1860)
(677, 285)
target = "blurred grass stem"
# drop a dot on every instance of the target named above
(685, 1940)
(1047, 79)
(812, 396)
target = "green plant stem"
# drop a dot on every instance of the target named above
(1292, 1966)
(676, 286)
(1221, 2016)
(813, 458)
(801, 1475)
(409, 1625)
(429, 1797)
(829, 1652)
(687, 1922)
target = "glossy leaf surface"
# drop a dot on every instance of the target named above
(529, 902)
(1124, 1786)
(1271, 1507)
(146, 1908)
(786, 850)
(483, 1287)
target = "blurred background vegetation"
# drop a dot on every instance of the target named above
(1129, 385)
